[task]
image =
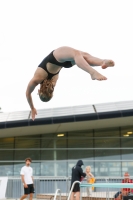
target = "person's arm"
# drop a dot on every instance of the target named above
(32, 180)
(91, 175)
(32, 177)
(23, 181)
(130, 181)
(81, 172)
(22, 178)
(54, 79)
(30, 88)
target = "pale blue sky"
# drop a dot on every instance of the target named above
(31, 29)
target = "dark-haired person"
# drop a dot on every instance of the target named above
(27, 179)
(77, 175)
(47, 72)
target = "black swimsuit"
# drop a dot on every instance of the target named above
(51, 59)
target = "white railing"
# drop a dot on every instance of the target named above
(45, 185)
(48, 185)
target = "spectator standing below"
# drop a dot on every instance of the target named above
(27, 179)
(77, 175)
(124, 191)
(90, 179)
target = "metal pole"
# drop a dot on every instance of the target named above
(57, 191)
(107, 191)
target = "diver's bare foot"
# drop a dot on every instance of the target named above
(107, 63)
(97, 76)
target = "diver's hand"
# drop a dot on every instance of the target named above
(33, 113)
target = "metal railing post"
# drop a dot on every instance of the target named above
(57, 191)
(107, 191)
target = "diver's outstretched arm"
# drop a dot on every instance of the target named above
(30, 88)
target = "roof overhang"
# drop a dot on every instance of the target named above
(58, 120)
(65, 127)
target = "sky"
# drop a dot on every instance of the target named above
(31, 29)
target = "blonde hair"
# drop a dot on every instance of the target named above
(88, 167)
(46, 90)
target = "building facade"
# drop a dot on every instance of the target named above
(101, 135)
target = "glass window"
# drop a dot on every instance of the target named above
(109, 132)
(88, 133)
(80, 154)
(60, 154)
(48, 135)
(61, 168)
(52, 140)
(6, 155)
(6, 169)
(17, 168)
(27, 142)
(127, 167)
(107, 154)
(83, 142)
(110, 168)
(80, 139)
(23, 154)
(105, 142)
(127, 130)
(36, 168)
(47, 154)
(127, 142)
(61, 142)
(6, 143)
(48, 168)
(47, 143)
(127, 137)
(127, 154)
(54, 154)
